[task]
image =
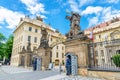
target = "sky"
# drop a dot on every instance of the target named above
(53, 12)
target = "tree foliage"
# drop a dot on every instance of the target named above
(2, 39)
(6, 46)
(116, 59)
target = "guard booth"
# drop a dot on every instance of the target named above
(74, 63)
(37, 63)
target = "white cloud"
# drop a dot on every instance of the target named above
(93, 21)
(74, 6)
(10, 17)
(112, 1)
(34, 7)
(84, 2)
(101, 14)
(108, 13)
(92, 10)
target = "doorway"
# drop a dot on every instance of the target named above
(22, 60)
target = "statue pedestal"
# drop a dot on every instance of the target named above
(45, 56)
(79, 47)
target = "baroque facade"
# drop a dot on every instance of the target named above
(106, 39)
(27, 38)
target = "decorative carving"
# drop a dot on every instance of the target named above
(23, 49)
(39, 18)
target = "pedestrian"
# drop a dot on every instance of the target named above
(60, 67)
(68, 66)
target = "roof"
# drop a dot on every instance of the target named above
(34, 22)
(104, 24)
(113, 23)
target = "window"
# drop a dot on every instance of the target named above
(57, 54)
(110, 51)
(51, 39)
(56, 62)
(103, 61)
(29, 38)
(62, 48)
(57, 47)
(30, 28)
(118, 51)
(35, 39)
(96, 61)
(102, 53)
(95, 44)
(96, 53)
(101, 44)
(62, 55)
(99, 36)
(63, 62)
(36, 30)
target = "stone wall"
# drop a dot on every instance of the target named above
(79, 48)
(105, 75)
(83, 71)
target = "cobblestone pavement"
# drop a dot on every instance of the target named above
(79, 78)
(2, 73)
(64, 77)
(16, 73)
(13, 70)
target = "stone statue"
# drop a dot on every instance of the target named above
(29, 47)
(74, 25)
(39, 18)
(75, 30)
(74, 20)
(44, 38)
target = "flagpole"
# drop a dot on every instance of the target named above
(93, 56)
(93, 46)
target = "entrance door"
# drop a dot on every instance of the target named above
(22, 60)
(74, 65)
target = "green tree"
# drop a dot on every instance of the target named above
(8, 47)
(116, 59)
(2, 43)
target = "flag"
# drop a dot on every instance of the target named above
(91, 35)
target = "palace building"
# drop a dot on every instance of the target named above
(32, 36)
(106, 40)
(27, 35)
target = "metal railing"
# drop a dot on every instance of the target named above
(102, 58)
